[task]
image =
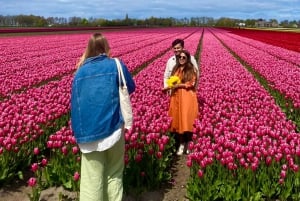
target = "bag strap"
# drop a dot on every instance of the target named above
(120, 72)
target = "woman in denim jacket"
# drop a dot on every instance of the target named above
(97, 122)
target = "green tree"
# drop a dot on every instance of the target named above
(250, 22)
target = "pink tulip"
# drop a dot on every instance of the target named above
(127, 136)
(34, 167)
(282, 174)
(44, 162)
(138, 157)
(64, 150)
(126, 159)
(151, 151)
(254, 166)
(161, 147)
(284, 167)
(50, 144)
(36, 151)
(268, 160)
(158, 154)
(75, 150)
(76, 176)
(32, 182)
(143, 174)
(295, 167)
(200, 173)
(78, 158)
(189, 163)
(281, 181)
(191, 146)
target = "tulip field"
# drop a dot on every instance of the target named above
(246, 139)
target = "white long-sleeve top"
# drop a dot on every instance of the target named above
(103, 144)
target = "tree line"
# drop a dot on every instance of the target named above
(39, 21)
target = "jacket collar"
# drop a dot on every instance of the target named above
(100, 56)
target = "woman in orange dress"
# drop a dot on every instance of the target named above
(183, 102)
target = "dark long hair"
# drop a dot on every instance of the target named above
(188, 70)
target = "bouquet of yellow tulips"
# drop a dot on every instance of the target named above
(173, 80)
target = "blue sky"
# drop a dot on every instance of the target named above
(141, 9)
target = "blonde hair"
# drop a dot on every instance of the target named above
(97, 44)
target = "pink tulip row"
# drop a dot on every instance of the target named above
(28, 61)
(127, 39)
(62, 138)
(154, 48)
(23, 114)
(280, 74)
(239, 123)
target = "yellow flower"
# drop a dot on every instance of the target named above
(173, 80)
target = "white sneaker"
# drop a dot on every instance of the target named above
(180, 150)
(187, 152)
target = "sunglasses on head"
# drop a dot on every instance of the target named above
(182, 57)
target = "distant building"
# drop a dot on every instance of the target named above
(241, 24)
(264, 23)
(295, 26)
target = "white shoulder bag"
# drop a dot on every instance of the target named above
(125, 103)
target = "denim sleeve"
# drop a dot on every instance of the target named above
(129, 81)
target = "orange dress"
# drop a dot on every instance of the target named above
(183, 107)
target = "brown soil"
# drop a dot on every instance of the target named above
(175, 191)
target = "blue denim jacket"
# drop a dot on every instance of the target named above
(95, 102)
